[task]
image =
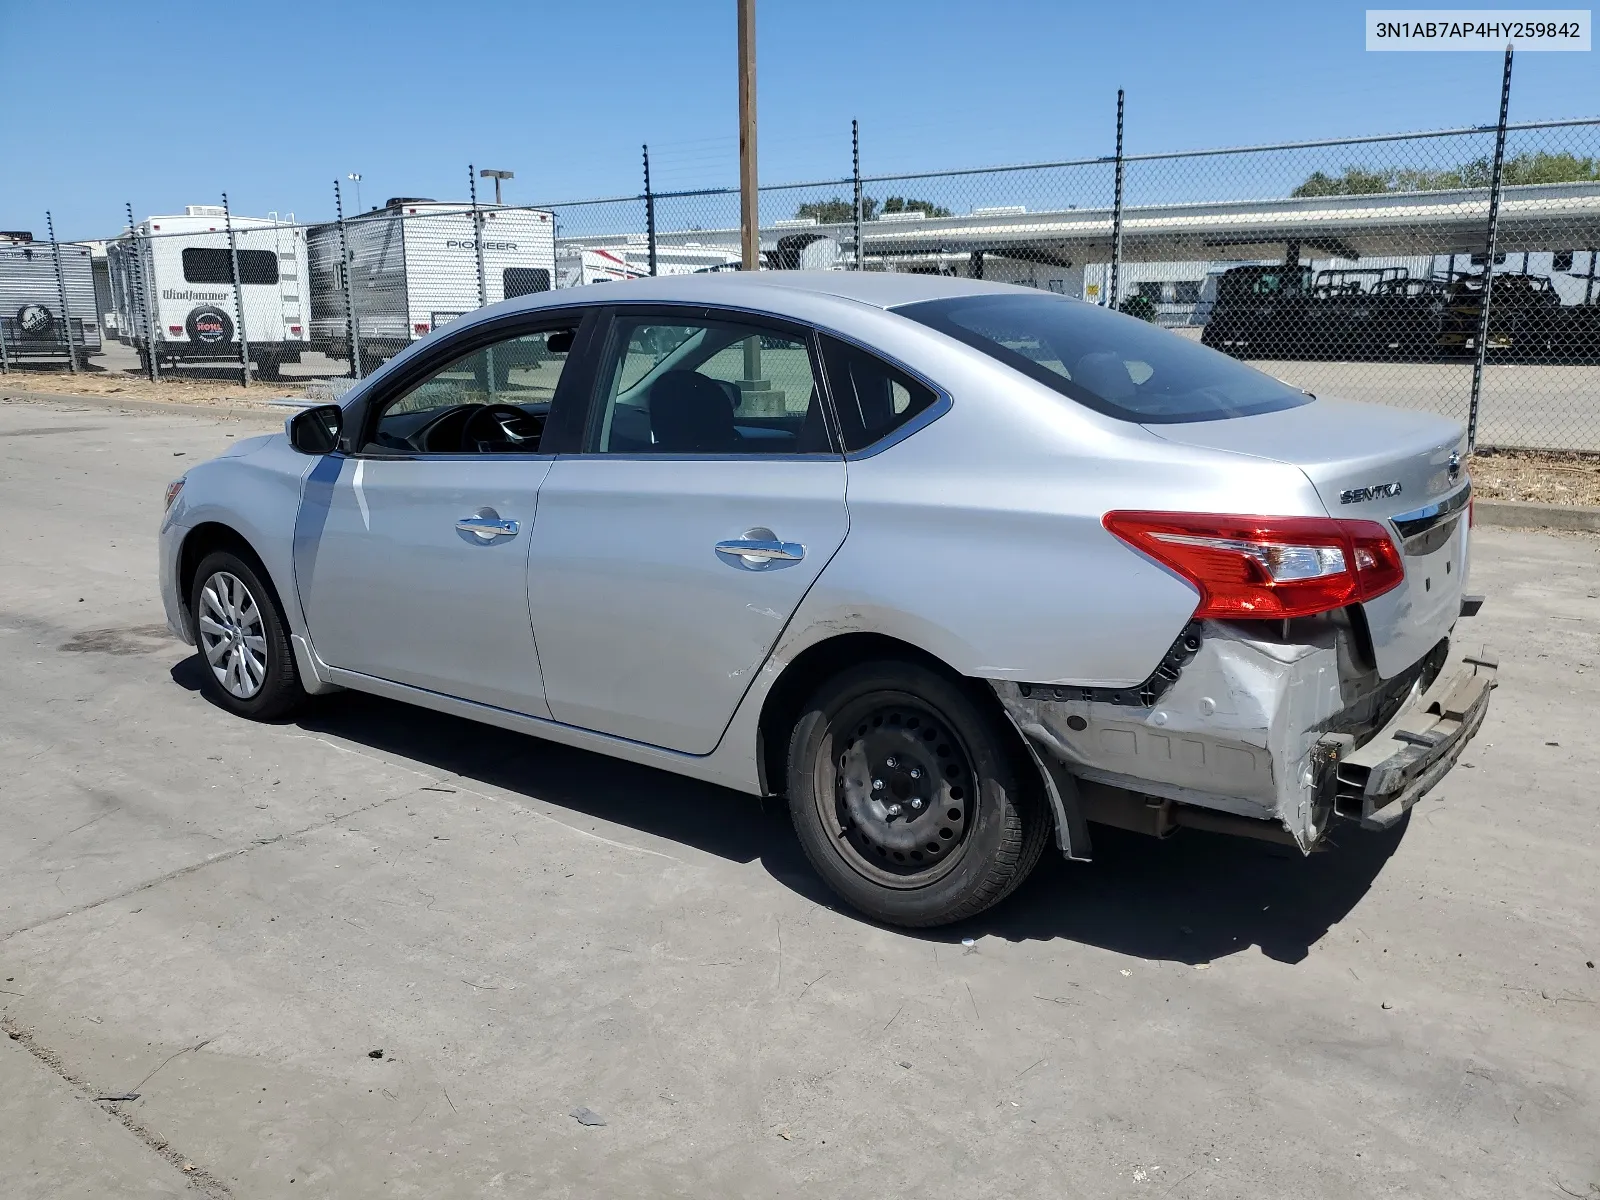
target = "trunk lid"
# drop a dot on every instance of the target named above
(1368, 462)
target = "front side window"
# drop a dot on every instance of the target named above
(493, 400)
(1115, 364)
(706, 386)
(207, 264)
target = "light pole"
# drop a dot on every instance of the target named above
(497, 176)
(355, 178)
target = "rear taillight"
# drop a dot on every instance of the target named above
(173, 489)
(1267, 567)
(421, 327)
(174, 329)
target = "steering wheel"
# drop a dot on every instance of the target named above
(496, 423)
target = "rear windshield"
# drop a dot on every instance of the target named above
(1112, 363)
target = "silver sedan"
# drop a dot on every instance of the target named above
(960, 569)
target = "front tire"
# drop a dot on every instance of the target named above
(248, 665)
(907, 796)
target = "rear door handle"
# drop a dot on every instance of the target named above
(761, 550)
(487, 528)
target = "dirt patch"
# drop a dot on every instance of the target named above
(1541, 476)
(134, 387)
(130, 639)
(45, 431)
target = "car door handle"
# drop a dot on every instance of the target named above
(762, 549)
(487, 528)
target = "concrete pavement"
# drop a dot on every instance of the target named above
(231, 920)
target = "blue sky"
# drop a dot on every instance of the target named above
(168, 105)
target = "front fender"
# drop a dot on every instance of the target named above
(256, 495)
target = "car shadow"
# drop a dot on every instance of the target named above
(1191, 898)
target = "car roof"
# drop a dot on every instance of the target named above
(768, 289)
(881, 289)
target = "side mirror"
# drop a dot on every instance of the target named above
(315, 430)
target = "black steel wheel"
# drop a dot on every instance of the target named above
(902, 790)
(907, 796)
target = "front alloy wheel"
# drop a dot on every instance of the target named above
(232, 636)
(243, 638)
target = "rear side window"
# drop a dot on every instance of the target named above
(873, 398)
(204, 264)
(1115, 364)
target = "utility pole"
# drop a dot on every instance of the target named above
(497, 176)
(749, 197)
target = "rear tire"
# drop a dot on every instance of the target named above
(907, 796)
(248, 666)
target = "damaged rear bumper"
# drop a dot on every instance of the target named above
(1380, 781)
(1273, 737)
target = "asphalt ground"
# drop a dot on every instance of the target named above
(231, 920)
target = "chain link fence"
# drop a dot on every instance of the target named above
(1353, 267)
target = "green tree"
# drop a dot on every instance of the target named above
(1543, 167)
(1538, 166)
(1353, 181)
(837, 211)
(903, 204)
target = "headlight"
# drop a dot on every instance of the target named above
(173, 489)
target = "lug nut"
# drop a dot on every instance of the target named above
(916, 803)
(916, 772)
(892, 763)
(877, 785)
(893, 810)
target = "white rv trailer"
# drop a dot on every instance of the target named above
(579, 265)
(175, 280)
(32, 324)
(414, 267)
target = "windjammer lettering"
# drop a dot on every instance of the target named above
(191, 294)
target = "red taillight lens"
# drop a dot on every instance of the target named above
(421, 327)
(174, 328)
(1267, 567)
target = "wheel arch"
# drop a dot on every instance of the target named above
(207, 538)
(817, 663)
